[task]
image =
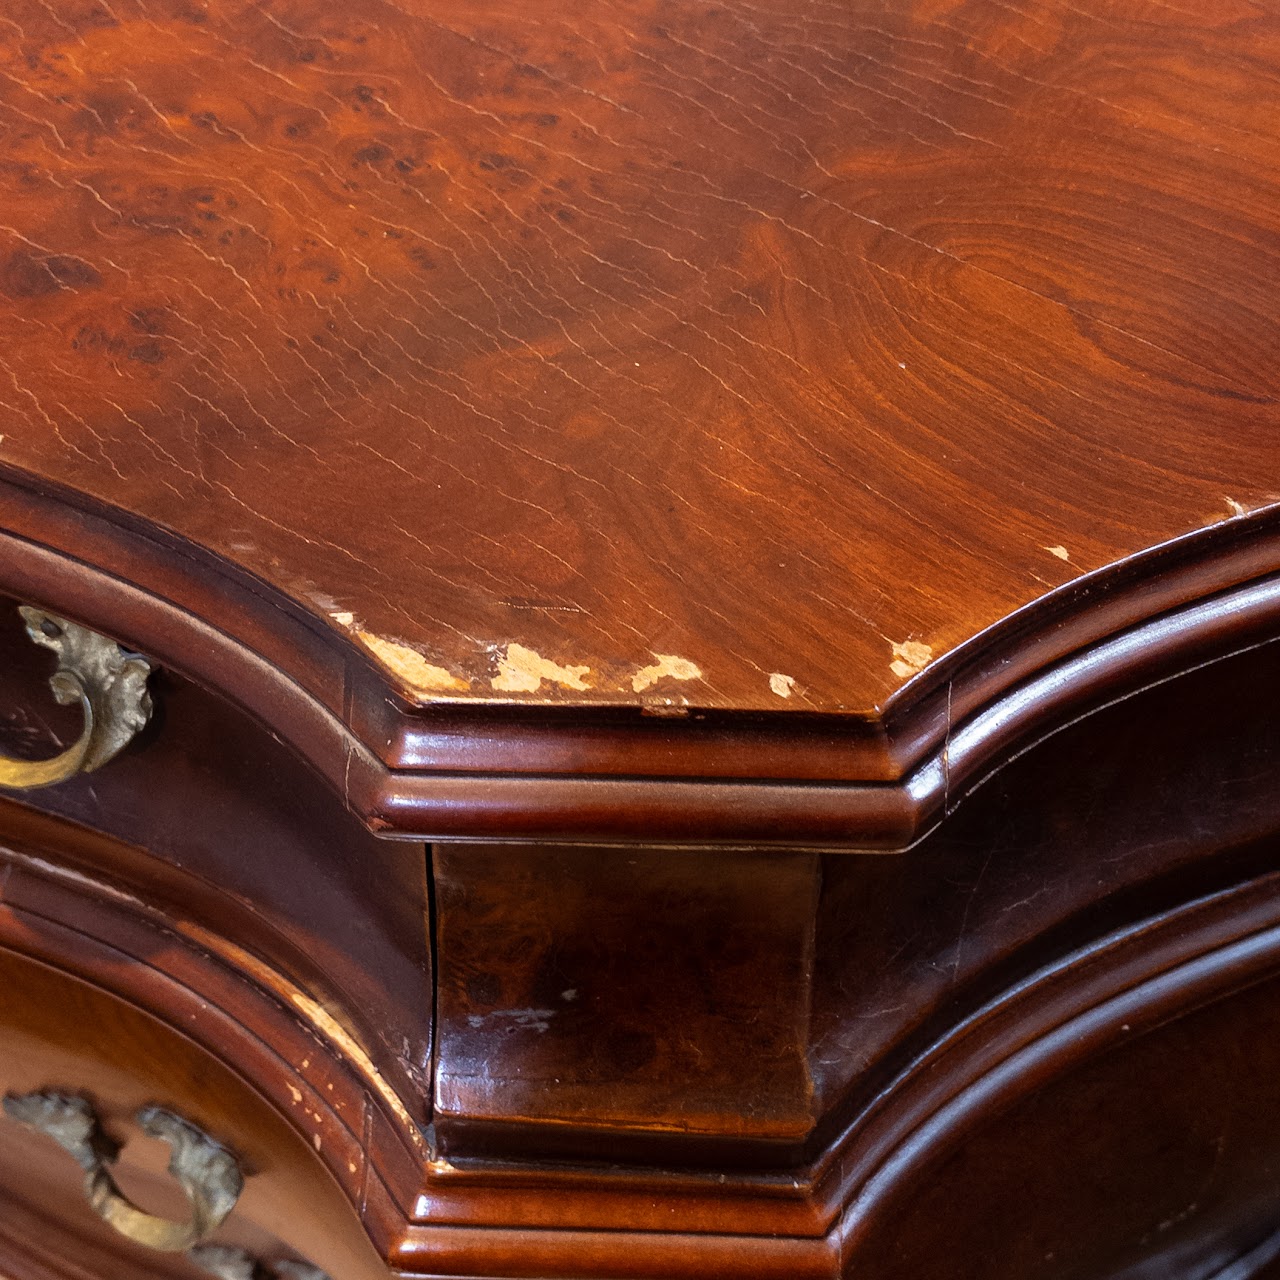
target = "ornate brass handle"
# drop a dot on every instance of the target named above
(109, 684)
(207, 1172)
(229, 1263)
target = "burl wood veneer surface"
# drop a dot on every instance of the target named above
(750, 354)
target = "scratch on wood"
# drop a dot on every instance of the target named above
(667, 665)
(522, 670)
(782, 685)
(1061, 552)
(909, 658)
(410, 667)
(318, 1020)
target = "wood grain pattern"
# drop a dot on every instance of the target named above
(217, 824)
(624, 1004)
(754, 1009)
(742, 356)
(591, 434)
(242, 1012)
(462, 771)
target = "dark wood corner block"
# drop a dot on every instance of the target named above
(639, 642)
(595, 1002)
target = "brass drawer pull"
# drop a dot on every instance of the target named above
(109, 684)
(207, 1171)
(229, 1263)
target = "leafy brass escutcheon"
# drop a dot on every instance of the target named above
(227, 1262)
(111, 687)
(208, 1173)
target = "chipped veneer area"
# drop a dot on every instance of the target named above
(910, 658)
(410, 668)
(521, 670)
(668, 665)
(516, 669)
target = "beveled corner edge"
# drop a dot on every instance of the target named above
(603, 775)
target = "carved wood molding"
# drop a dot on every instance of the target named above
(538, 774)
(474, 1218)
(239, 1009)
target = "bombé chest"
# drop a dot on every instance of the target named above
(660, 623)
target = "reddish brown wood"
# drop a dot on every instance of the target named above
(660, 454)
(768, 340)
(61, 1032)
(57, 907)
(1213, 1149)
(851, 966)
(584, 775)
(218, 823)
(602, 1002)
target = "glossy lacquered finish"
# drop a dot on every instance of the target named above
(60, 1029)
(712, 576)
(211, 816)
(671, 355)
(652, 1063)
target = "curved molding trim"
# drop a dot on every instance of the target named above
(236, 1008)
(482, 1221)
(603, 775)
(1089, 1002)
(428, 1216)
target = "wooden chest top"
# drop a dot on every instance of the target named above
(690, 355)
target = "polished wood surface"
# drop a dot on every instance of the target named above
(63, 1033)
(721, 356)
(714, 580)
(215, 823)
(750, 1007)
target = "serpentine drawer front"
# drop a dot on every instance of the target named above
(270, 1201)
(638, 640)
